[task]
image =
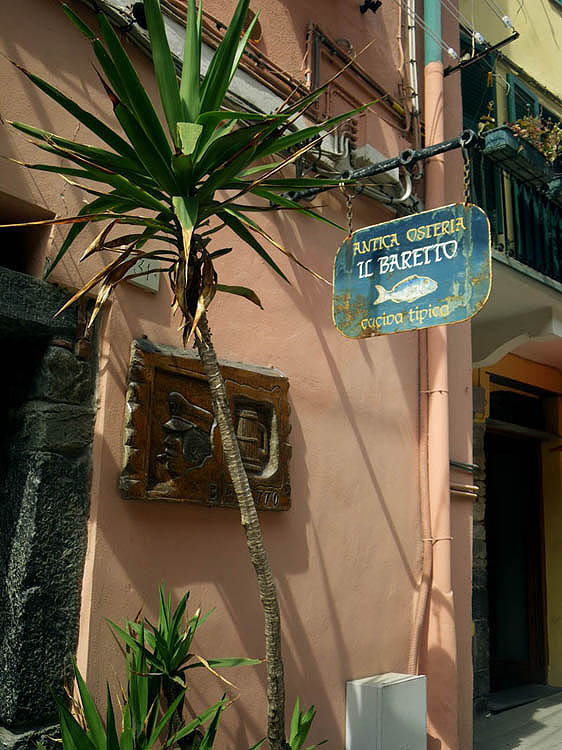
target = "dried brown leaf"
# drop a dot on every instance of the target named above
(208, 289)
(96, 279)
(206, 664)
(98, 243)
(114, 277)
(83, 219)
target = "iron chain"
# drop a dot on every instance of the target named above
(466, 178)
(349, 204)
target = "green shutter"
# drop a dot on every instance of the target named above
(476, 94)
(521, 101)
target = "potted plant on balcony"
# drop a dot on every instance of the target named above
(517, 148)
(546, 137)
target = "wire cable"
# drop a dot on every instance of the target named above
(419, 19)
(429, 31)
(456, 13)
(464, 21)
(504, 18)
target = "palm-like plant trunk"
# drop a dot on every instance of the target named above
(252, 529)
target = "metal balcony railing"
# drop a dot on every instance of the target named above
(526, 223)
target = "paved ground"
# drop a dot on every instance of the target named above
(535, 726)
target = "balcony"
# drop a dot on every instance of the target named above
(524, 312)
(516, 156)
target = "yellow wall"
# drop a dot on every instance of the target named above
(548, 378)
(539, 47)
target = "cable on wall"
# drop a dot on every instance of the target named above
(436, 38)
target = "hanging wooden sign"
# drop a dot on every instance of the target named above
(429, 269)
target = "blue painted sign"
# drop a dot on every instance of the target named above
(429, 269)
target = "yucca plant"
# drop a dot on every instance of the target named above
(164, 653)
(157, 658)
(143, 725)
(175, 189)
(301, 721)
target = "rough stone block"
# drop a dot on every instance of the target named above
(44, 495)
(479, 531)
(481, 683)
(43, 546)
(28, 306)
(481, 656)
(56, 428)
(480, 706)
(62, 377)
(481, 647)
(479, 604)
(28, 740)
(480, 579)
(479, 550)
(479, 512)
(481, 632)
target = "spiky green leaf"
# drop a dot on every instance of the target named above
(191, 70)
(136, 96)
(284, 202)
(233, 661)
(110, 137)
(274, 145)
(74, 737)
(238, 228)
(153, 161)
(164, 68)
(188, 134)
(209, 736)
(94, 724)
(126, 741)
(194, 724)
(110, 729)
(157, 731)
(101, 157)
(241, 47)
(218, 75)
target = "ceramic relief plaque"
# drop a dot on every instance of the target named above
(172, 444)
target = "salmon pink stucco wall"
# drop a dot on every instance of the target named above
(347, 555)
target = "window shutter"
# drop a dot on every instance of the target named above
(476, 94)
(521, 101)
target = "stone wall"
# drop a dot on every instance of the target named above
(481, 640)
(48, 386)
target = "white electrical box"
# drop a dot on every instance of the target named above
(149, 280)
(386, 712)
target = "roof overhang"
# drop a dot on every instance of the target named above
(522, 316)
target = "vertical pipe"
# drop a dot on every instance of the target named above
(440, 658)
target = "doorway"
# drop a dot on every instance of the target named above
(514, 534)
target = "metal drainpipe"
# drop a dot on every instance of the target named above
(440, 659)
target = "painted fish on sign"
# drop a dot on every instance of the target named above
(429, 269)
